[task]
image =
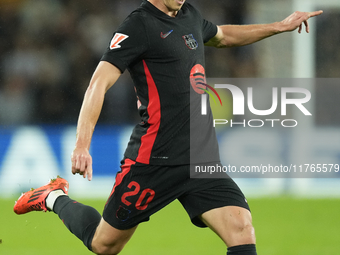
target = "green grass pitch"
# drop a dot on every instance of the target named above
(283, 226)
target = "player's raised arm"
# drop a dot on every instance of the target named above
(103, 78)
(239, 35)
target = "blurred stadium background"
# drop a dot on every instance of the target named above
(48, 52)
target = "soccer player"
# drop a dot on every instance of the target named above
(162, 45)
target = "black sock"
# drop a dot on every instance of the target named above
(246, 249)
(81, 220)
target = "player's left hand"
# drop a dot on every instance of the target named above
(297, 19)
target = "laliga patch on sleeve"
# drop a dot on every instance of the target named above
(116, 40)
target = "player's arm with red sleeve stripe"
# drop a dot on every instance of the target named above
(103, 78)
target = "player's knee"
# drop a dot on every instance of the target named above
(244, 232)
(112, 249)
(248, 229)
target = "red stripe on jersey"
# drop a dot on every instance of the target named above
(125, 170)
(154, 112)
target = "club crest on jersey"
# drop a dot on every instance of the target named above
(116, 40)
(190, 41)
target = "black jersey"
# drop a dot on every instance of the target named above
(161, 54)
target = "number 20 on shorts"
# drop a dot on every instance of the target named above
(136, 188)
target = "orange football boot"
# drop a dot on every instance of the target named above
(34, 200)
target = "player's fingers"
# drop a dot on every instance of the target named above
(75, 166)
(73, 161)
(84, 174)
(307, 26)
(74, 170)
(77, 163)
(89, 173)
(313, 14)
(82, 164)
(89, 169)
(300, 28)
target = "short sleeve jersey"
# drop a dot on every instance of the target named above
(164, 55)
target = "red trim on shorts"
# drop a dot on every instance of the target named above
(154, 112)
(125, 170)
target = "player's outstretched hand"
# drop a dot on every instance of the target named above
(82, 163)
(297, 19)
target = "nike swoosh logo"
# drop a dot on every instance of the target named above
(166, 34)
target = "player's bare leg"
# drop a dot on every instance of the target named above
(233, 225)
(109, 240)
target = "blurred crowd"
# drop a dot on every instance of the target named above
(328, 66)
(49, 50)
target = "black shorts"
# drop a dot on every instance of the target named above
(141, 190)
